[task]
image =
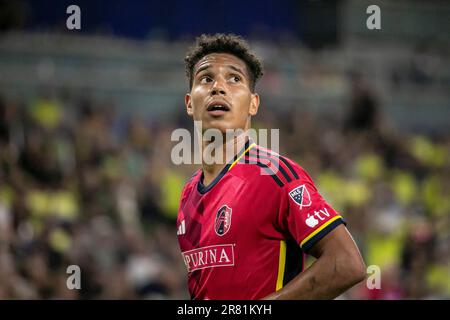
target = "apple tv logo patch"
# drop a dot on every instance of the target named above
(311, 221)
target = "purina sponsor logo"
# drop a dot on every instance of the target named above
(301, 196)
(209, 257)
(181, 228)
(223, 220)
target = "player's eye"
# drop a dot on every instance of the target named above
(235, 79)
(205, 79)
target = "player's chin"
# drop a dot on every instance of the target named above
(219, 123)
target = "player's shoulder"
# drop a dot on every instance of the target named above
(262, 163)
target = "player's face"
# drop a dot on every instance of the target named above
(220, 96)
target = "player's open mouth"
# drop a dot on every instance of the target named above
(217, 108)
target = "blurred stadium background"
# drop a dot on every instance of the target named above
(86, 118)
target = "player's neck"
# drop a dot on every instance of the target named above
(230, 148)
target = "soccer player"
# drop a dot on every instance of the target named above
(245, 224)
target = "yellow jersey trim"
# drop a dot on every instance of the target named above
(326, 224)
(281, 265)
(243, 153)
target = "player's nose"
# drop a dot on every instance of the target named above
(218, 89)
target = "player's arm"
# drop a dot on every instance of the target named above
(338, 267)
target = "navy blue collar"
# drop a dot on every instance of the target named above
(204, 189)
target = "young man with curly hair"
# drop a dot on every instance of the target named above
(245, 223)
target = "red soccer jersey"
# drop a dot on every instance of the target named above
(244, 235)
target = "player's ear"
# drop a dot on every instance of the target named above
(254, 104)
(187, 102)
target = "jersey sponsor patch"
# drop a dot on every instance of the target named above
(301, 196)
(311, 221)
(320, 215)
(209, 257)
(223, 220)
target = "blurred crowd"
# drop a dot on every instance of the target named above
(83, 184)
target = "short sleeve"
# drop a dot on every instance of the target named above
(306, 214)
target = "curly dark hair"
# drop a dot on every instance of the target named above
(223, 43)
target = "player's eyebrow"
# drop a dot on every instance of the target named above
(207, 66)
(202, 68)
(236, 69)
